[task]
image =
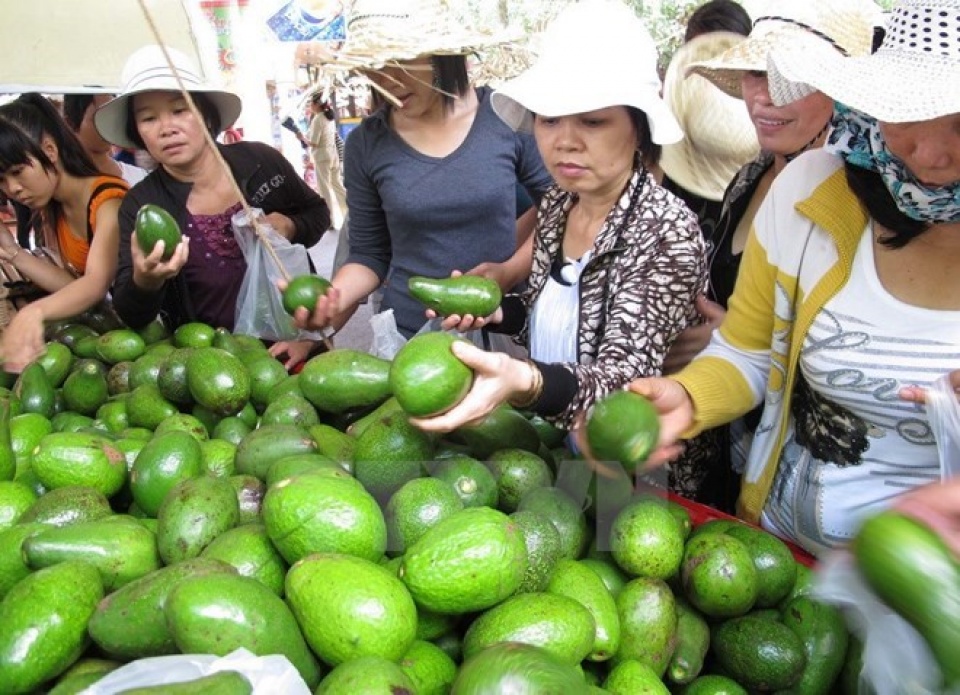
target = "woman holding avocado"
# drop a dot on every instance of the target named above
(431, 175)
(201, 279)
(617, 260)
(848, 294)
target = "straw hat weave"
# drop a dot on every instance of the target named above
(844, 27)
(913, 76)
(381, 32)
(719, 137)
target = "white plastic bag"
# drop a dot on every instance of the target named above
(896, 658)
(268, 675)
(260, 309)
(943, 409)
(387, 339)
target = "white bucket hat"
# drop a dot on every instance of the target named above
(146, 70)
(595, 54)
(381, 32)
(913, 76)
(719, 136)
(842, 27)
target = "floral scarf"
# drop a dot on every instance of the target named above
(857, 138)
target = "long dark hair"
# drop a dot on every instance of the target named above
(24, 123)
(871, 191)
(449, 75)
(206, 107)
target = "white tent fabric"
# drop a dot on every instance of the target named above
(64, 46)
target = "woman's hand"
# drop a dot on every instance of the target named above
(694, 339)
(22, 341)
(466, 322)
(295, 350)
(8, 247)
(496, 377)
(918, 394)
(938, 506)
(676, 415)
(283, 225)
(323, 314)
(151, 271)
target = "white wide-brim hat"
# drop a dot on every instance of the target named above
(147, 70)
(842, 27)
(595, 54)
(719, 135)
(913, 76)
(382, 32)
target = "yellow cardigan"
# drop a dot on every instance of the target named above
(799, 254)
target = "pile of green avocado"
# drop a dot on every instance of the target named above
(181, 493)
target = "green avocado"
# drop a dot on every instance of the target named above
(466, 294)
(154, 224)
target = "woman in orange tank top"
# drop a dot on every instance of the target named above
(44, 167)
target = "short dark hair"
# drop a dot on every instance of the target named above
(206, 107)
(449, 75)
(649, 150)
(873, 194)
(74, 106)
(718, 15)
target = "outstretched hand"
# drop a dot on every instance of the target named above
(466, 322)
(150, 271)
(323, 314)
(496, 377)
(675, 407)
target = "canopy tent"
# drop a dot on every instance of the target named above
(71, 46)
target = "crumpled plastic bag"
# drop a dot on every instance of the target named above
(387, 339)
(260, 309)
(268, 675)
(896, 658)
(943, 410)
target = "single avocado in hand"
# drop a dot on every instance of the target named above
(465, 294)
(304, 291)
(155, 224)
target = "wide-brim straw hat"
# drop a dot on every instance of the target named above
(593, 55)
(913, 76)
(383, 32)
(147, 70)
(844, 27)
(719, 136)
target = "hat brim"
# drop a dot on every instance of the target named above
(111, 118)
(360, 56)
(536, 92)
(893, 88)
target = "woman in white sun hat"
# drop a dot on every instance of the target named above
(431, 174)
(617, 259)
(783, 133)
(847, 302)
(201, 280)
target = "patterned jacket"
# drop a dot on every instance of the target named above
(637, 292)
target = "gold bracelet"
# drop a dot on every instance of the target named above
(533, 394)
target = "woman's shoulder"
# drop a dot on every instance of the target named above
(801, 177)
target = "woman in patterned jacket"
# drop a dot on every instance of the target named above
(617, 260)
